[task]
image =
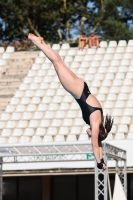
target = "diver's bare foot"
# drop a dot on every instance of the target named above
(35, 39)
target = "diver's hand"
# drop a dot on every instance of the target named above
(102, 166)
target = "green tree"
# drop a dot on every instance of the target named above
(57, 20)
(110, 21)
(51, 19)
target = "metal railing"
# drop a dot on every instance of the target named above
(57, 152)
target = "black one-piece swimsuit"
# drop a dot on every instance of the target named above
(86, 108)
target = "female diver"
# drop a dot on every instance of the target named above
(91, 109)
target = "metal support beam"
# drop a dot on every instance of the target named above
(125, 177)
(0, 178)
(101, 188)
(122, 173)
(119, 155)
(100, 183)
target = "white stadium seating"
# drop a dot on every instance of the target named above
(2, 50)
(103, 44)
(130, 43)
(56, 47)
(2, 62)
(65, 46)
(42, 111)
(10, 49)
(112, 44)
(122, 43)
(6, 56)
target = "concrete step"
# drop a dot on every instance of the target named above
(6, 80)
(15, 76)
(2, 108)
(6, 96)
(9, 87)
(4, 100)
(25, 54)
(23, 61)
(23, 58)
(7, 92)
(19, 65)
(4, 104)
(8, 83)
(17, 71)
